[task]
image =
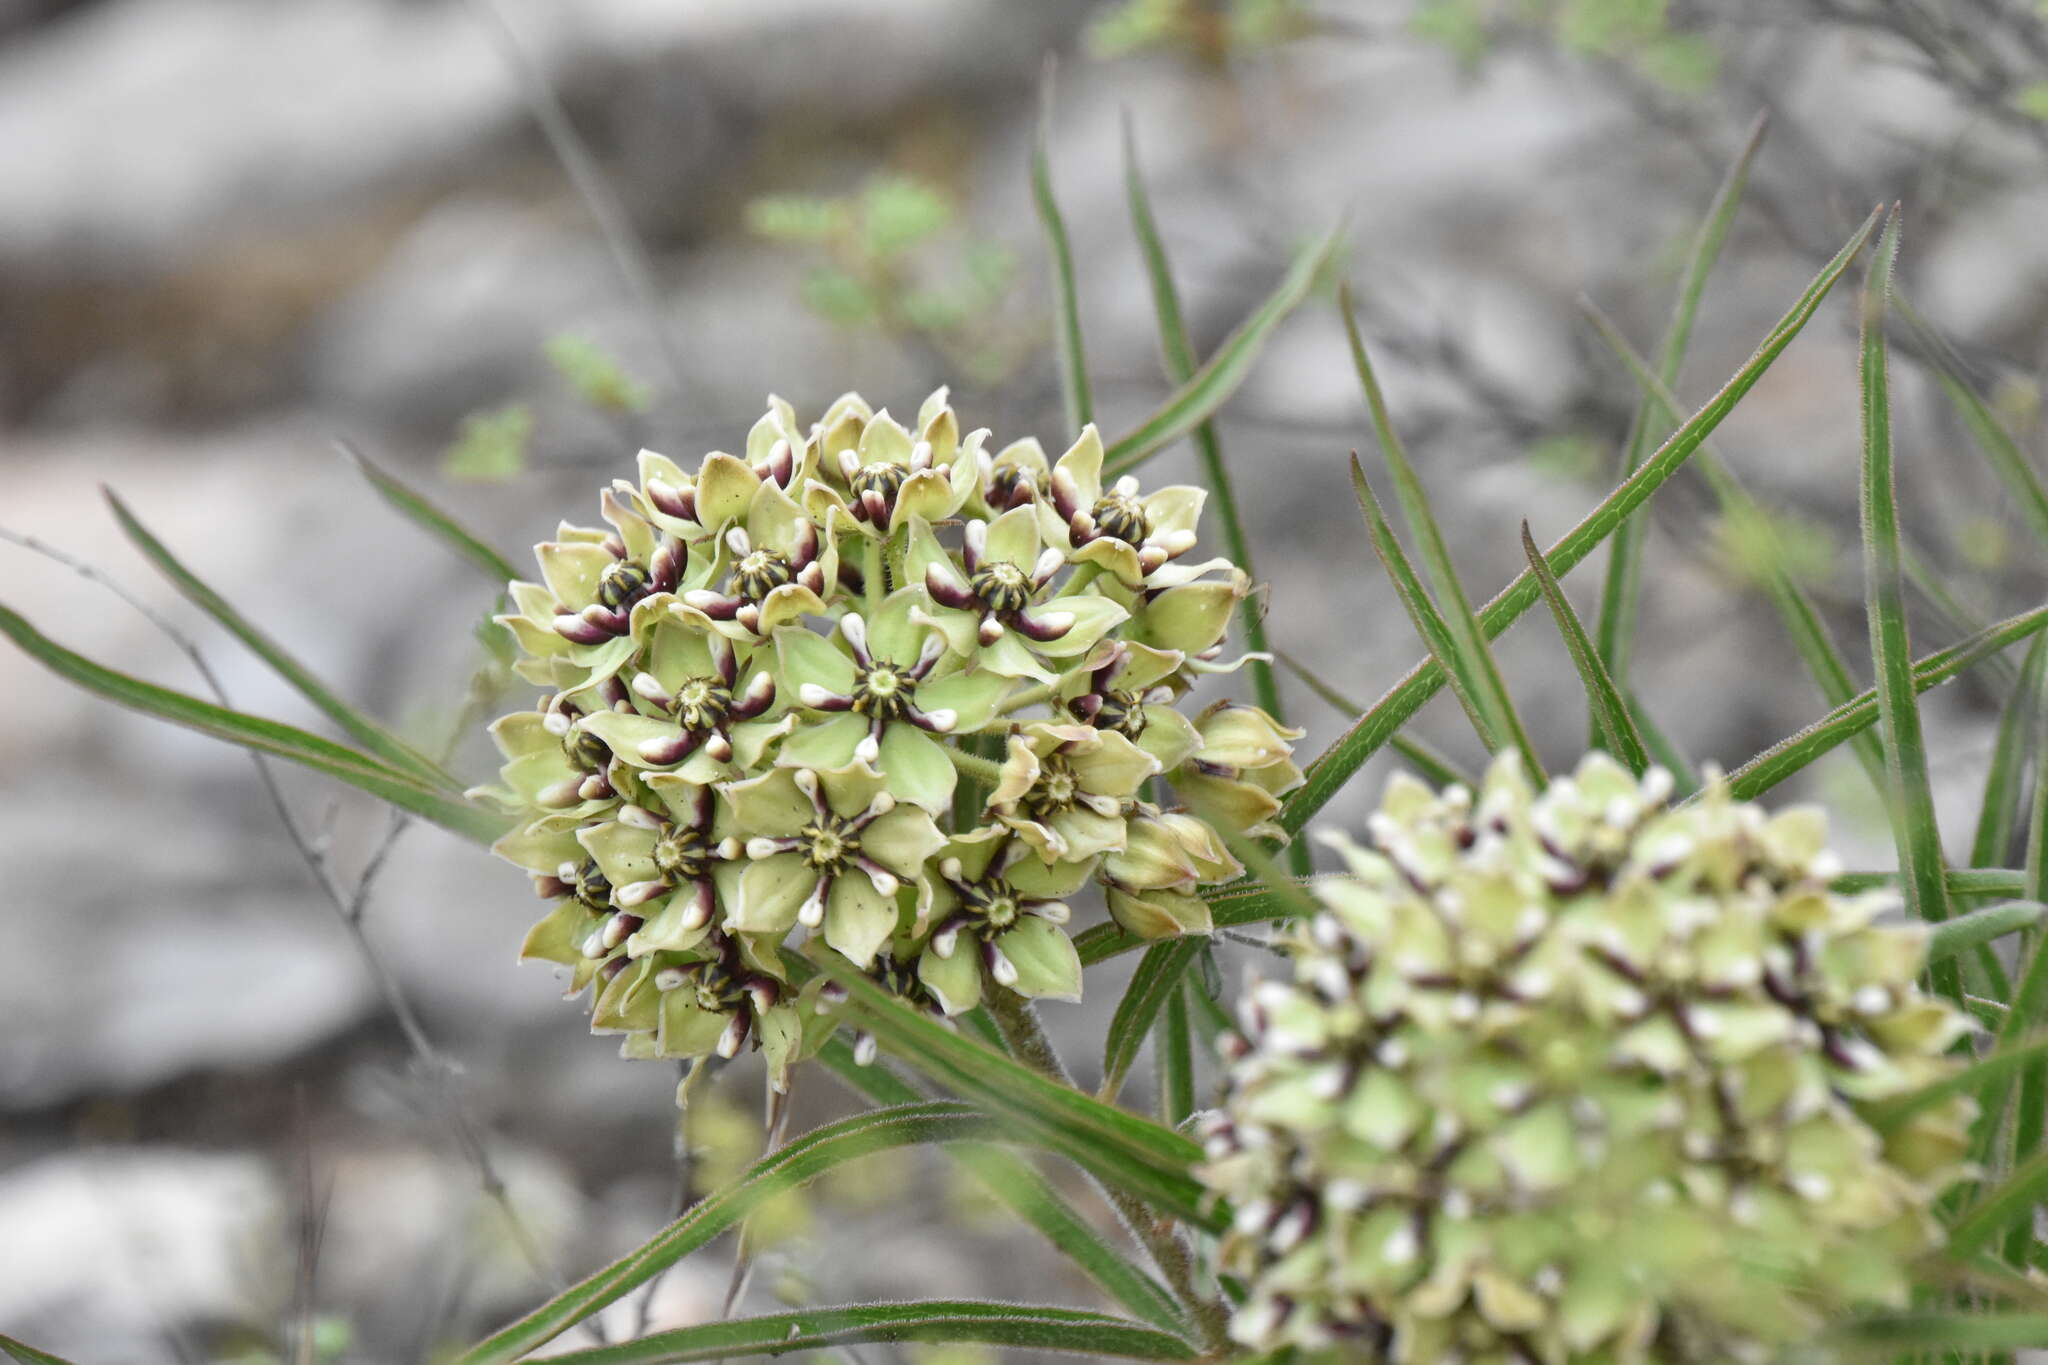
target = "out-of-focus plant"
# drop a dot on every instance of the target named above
(1207, 31)
(1640, 33)
(886, 269)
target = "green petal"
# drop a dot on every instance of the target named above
(1093, 617)
(858, 918)
(559, 937)
(1190, 618)
(666, 930)
(772, 518)
(902, 840)
(928, 494)
(922, 551)
(678, 652)
(572, 571)
(1083, 464)
(781, 1033)
(1035, 880)
(1115, 557)
(539, 850)
(771, 804)
(972, 698)
(770, 892)
(955, 982)
(884, 441)
(624, 733)
(1009, 656)
(522, 733)
(1168, 736)
(687, 1029)
(1047, 965)
(806, 657)
(1112, 766)
(1083, 834)
(625, 854)
(725, 489)
(1013, 538)
(829, 744)
(894, 636)
(1160, 914)
(913, 764)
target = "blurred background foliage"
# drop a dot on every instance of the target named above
(234, 232)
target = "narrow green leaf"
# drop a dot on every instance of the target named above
(1021, 1327)
(1173, 1046)
(1330, 771)
(25, 1354)
(1017, 1184)
(1962, 881)
(1482, 675)
(1231, 907)
(1198, 399)
(253, 732)
(1178, 353)
(1122, 1149)
(1909, 795)
(1066, 300)
(1802, 620)
(1617, 728)
(2029, 1000)
(431, 519)
(786, 1168)
(1944, 1332)
(1422, 612)
(1429, 762)
(1621, 592)
(1964, 932)
(1156, 981)
(1663, 750)
(1796, 751)
(364, 730)
(2015, 1200)
(1887, 1115)
(2007, 458)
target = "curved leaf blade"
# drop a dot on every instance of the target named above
(431, 519)
(1617, 728)
(25, 1354)
(1155, 982)
(1074, 390)
(1954, 936)
(1022, 1327)
(254, 732)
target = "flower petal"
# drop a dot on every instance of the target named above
(806, 657)
(769, 894)
(915, 767)
(955, 982)
(826, 744)
(1047, 965)
(771, 804)
(858, 918)
(1092, 617)
(972, 697)
(902, 840)
(623, 853)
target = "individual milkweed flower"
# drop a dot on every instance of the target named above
(829, 850)
(776, 566)
(699, 506)
(1244, 765)
(1063, 789)
(696, 699)
(662, 862)
(1116, 528)
(551, 764)
(1153, 880)
(713, 1001)
(1127, 688)
(875, 484)
(998, 910)
(1582, 1077)
(992, 604)
(887, 693)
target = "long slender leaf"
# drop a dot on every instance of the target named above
(1954, 936)
(1998, 445)
(1796, 751)
(253, 732)
(1195, 401)
(364, 730)
(1621, 592)
(1329, 772)
(1428, 761)
(2027, 1005)
(1020, 1327)
(1066, 298)
(1156, 981)
(1887, 1115)
(2015, 1200)
(806, 1157)
(1610, 712)
(1909, 795)
(1018, 1185)
(1122, 1149)
(1810, 637)
(25, 1354)
(1962, 881)
(1944, 1332)
(1173, 1047)
(431, 519)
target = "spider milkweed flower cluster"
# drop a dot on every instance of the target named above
(766, 676)
(1580, 1076)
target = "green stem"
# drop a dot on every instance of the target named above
(1026, 1039)
(871, 573)
(1081, 577)
(985, 771)
(1030, 696)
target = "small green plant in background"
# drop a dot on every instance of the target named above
(1209, 31)
(883, 272)
(1638, 33)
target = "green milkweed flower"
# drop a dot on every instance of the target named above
(1580, 1076)
(768, 678)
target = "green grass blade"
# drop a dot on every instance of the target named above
(1802, 620)
(1017, 1184)
(1122, 1149)
(1909, 795)
(1942, 1333)
(2028, 1005)
(1422, 613)
(1796, 751)
(1611, 716)
(786, 1168)
(1429, 762)
(1621, 592)
(1015, 1326)
(1066, 298)
(353, 722)
(1178, 354)
(1998, 813)
(359, 770)
(1195, 401)
(431, 519)
(1955, 936)
(1156, 981)
(25, 1354)
(2011, 1204)
(1468, 638)
(1330, 771)
(2007, 458)
(1173, 1047)
(1887, 1115)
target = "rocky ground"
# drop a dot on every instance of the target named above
(234, 232)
